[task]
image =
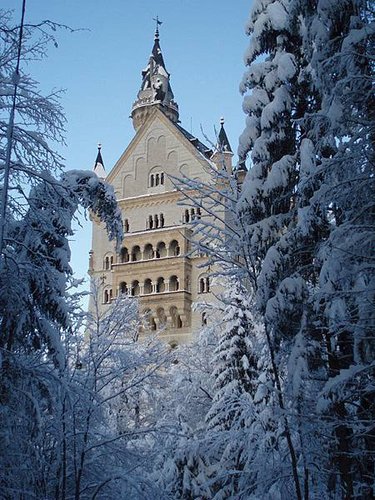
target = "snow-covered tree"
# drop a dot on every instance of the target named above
(313, 249)
(38, 204)
(340, 174)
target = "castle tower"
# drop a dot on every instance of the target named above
(156, 263)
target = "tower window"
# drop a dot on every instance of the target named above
(108, 261)
(107, 297)
(204, 285)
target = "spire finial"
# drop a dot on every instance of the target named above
(99, 146)
(158, 23)
(222, 120)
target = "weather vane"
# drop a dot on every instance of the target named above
(158, 23)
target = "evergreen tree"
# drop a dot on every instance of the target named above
(340, 137)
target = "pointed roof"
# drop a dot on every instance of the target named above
(155, 87)
(99, 164)
(222, 141)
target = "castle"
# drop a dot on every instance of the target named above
(156, 262)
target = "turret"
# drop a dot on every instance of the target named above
(155, 88)
(99, 164)
(223, 153)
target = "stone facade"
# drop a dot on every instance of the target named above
(155, 263)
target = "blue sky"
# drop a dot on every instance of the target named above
(203, 43)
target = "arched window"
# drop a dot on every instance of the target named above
(147, 287)
(192, 212)
(156, 221)
(160, 285)
(136, 253)
(123, 288)
(152, 180)
(135, 288)
(161, 218)
(148, 252)
(126, 225)
(174, 248)
(161, 250)
(107, 296)
(198, 214)
(204, 284)
(173, 284)
(175, 317)
(124, 255)
(162, 178)
(156, 179)
(161, 317)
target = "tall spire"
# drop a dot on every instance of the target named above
(155, 87)
(222, 141)
(99, 164)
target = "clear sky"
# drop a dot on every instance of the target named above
(202, 41)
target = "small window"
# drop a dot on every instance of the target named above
(124, 255)
(108, 262)
(204, 285)
(204, 319)
(156, 179)
(126, 225)
(107, 297)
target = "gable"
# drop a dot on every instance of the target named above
(159, 149)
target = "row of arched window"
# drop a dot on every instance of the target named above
(156, 179)
(150, 252)
(160, 320)
(155, 221)
(148, 286)
(136, 288)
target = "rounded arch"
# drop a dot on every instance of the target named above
(161, 250)
(175, 317)
(149, 319)
(148, 252)
(204, 284)
(160, 285)
(123, 287)
(147, 286)
(135, 288)
(136, 253)
(127, 185)
(162, 317)
(174, 248)
(107, 295)
(108, 261)
(124, 255)
(184, 170)
(156, 176)
(174, 283)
